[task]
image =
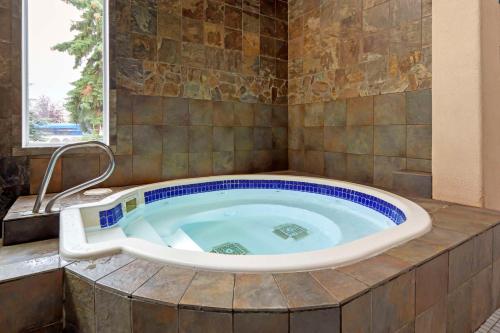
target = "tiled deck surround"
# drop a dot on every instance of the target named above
(447, 280)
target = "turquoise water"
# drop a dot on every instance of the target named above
(253, 222)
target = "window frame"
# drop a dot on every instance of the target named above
(25, 81)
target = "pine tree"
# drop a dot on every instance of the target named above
(85, 100)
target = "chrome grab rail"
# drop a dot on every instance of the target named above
(50, 169)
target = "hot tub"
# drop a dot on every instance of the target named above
(244, 223)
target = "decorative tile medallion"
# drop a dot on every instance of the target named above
(231, 249)
(291, 230)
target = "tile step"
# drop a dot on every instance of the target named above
(414, 183)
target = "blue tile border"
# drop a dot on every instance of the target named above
(110, 217)
(385, 208)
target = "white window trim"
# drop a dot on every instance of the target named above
(25, 81)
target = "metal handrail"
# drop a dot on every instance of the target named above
(50, 169)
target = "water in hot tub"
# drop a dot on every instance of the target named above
(253, 222)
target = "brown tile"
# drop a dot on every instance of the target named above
(263, 138)
(314, 162)
(169, 51)
(376, 270)
(415, 251)
(223, 113)
(335, 139)
(175, 165)
(335, 165)
(390, 140)
(495, 287)
(360, 168)
(280, 138)
(461, 264)
(78, 169)
(303, 292)
(153, 317)
(360, 111)
(35, 300)
(193, 31)
(257, 292)
(169, 25)
(214, 34)
(267, 7)
(433, 319)
(443, 237)
(280, 115)
(335, 113)
(95, 269)
(430, 205)
(144, 19)
(324, 320)
(483, 246)
(243, 161)
(248, 322)
(214, 11)
(296, 138)
(314, 115)
(233, 39)
(251, 22)
(418, 164)
(267, 46)
(210, 290)
(146, 168)
(393, 304)
(193, 54)
(233, 17)
(112, 312)
(200, 164)
(458, 313)
(463, 219)
(223, 162)
(130, 277)
(243, 138)
(143, 47)
(383, 168)
(28, 251)
(313, 138)
(200, 112)
(200, 139)
(244, 114)
(38, 167)
(78, 303)
(419, 107)
(176, 139)
(263, 115)
(223, 138)
(359, 140)
(147, 140)
(481, 302)
(262, 160)
(25, 268)
(267, 26)
(341, 286)
(376, 18)
(192, 9)
(405, 11)
(167, 286)
(357, 314)
(124, 136)
(419, 141)
(194, 321)
(496, 242)
(122, 174)
(431, 283)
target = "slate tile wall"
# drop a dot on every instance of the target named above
(362, 139)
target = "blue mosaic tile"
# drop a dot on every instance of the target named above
(372, 202)
(110, 217)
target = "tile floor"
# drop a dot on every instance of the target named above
(492, 324)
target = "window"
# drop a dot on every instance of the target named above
(65, 72)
